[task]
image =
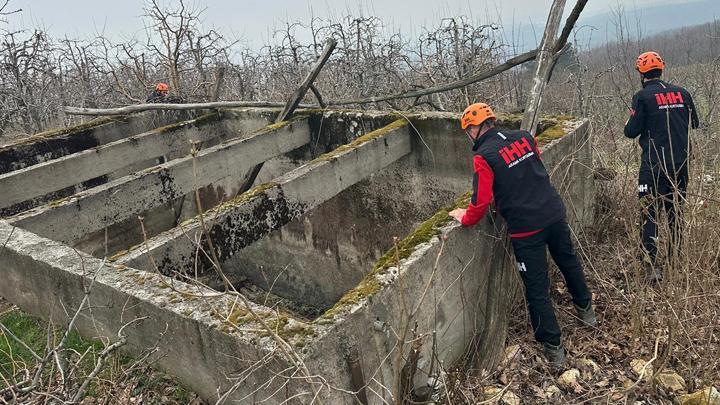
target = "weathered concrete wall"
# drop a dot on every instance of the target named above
(455, 283)
(192, 334)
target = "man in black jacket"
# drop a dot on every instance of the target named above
(507, 166)
(661, 116)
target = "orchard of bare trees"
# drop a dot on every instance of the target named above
(41, 74)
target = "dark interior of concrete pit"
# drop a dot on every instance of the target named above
(312, 261)
(329, 130)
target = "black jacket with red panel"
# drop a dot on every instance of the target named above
(507, 166)
(661, 116)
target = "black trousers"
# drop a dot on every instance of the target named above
(661, 189)
(533, 267)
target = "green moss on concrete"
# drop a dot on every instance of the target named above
(560, 117)
(276, 126)
(240, 316)
(118, 255)
(298, 332)
(230, 204)
(555, 128)
(370, 285)
(57, 203)
(332, 155)
(279, 323)
(556, 131)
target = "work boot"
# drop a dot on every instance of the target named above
(587, 314)
(554, 354)
(654, 273)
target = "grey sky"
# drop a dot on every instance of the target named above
(252, 21)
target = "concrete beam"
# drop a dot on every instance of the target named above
(268, 207)
(93, 210)
(56, 143)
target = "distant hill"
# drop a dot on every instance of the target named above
(600, 28)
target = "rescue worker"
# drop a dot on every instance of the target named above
(507, 166)
(160, 94)
(661, 116)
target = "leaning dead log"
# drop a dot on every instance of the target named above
(292, 104)
(544, 66)
(486, 74)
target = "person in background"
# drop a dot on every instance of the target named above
(661, 117)
(507, 167)
(160, 94)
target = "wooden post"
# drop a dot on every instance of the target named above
(292, 104)
(544, 67)
(219, 78)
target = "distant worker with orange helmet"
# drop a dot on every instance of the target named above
(661, 116)
(160, 94)
(507, 167)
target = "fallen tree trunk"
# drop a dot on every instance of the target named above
(131, 109)
(509, 64)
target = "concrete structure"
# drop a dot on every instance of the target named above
(344, 253)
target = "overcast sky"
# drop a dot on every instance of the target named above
(252, 21)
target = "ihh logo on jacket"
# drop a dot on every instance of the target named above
(672, 99)
(516, 152)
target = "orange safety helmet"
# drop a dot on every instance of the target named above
(649, 61)
(476, 114)
(162, 87)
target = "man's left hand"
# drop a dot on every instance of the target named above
(458, 213)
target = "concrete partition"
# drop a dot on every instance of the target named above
(333, 220)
